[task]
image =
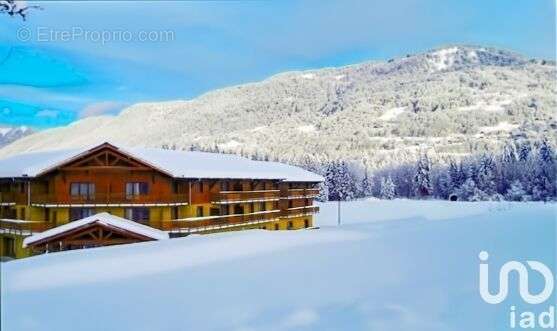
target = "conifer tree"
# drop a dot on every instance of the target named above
(422, 178)
(387, 190)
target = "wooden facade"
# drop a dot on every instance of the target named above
(107, 180)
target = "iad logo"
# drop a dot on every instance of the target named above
(522, 281)
(545, 319)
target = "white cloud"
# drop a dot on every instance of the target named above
(301, 318)
(100, 108)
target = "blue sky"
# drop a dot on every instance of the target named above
(46, 80)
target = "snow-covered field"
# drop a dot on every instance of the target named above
(391, 265)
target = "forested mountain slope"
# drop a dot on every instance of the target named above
(451, 102)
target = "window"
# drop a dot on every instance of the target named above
(252, 207)
(22, 214)
(214, 212)
(8, 246)
(199, 211)
(138, 214)
(290, 203)
(200, 187)
(276, 226)
(238, 210)
(290, 225)
(136, 188)
(238, 186)
(82, 190)
(224, 186)
(306, 223)
(174, 213)
(262, 206)
(79, 213)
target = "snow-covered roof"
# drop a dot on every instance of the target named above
(179, 164)
(102, 218)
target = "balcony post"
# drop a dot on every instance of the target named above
(189, 193)
(29, 193)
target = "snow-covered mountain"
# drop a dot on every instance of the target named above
(10, 134)
(452, 101)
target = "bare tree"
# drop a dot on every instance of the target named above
(16, 8)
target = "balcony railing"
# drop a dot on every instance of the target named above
(302, 193)
(245, 196)
(21, 227)
(299, 211)
(110, 199)
(208, 222)
(12, 197)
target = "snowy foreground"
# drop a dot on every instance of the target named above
(391, 265)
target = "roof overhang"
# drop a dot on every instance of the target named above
(110, 222)
(95, 149)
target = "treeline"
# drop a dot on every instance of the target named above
(521, 172)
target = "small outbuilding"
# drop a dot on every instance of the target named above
(101, 229)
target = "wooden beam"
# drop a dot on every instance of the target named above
(105, 168)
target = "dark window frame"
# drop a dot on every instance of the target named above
(80, 213)
(138, 214)
(82, 190)
(134, 189)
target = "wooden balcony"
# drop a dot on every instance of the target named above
(302, 193)
(111, 199)
(198, 224)
(299, 211)
(226, 197)
(7, 198)
(23, 228)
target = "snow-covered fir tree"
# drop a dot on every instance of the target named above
(365, 187)
(422, 179)
(516, 192)
(485, 179)
(340, 183)
(468, 190)
(387, 190)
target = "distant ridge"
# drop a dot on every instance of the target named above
(452, 101)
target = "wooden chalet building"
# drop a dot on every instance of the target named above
(176, 192)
